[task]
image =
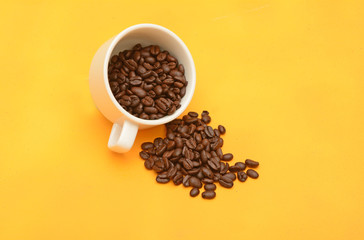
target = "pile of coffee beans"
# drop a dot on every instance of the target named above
(147, 82)
(191, 155)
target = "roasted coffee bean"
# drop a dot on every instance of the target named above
(206, 118)
(217, 133)
(147, 101)
(148, 164)
(195, 182)
(150, 110)
(161, 149)
(187, 164)
(252, 173)
(172, 172)
(251, 163)
(147, 145)
(240, 165)
(213, 165)
(144, 155)
(224, 167)
(194, 192)
(242, 176)
(199, 175)
(226, 178)
(207, 180)
(234, 169)
(210, 187)
(162, 180)
(209, 131)
(219, 153)
(191, 143)
(221, 129)
(207, 172)
(218, 144)
(227, 157)
(208, 195)
(232, 176)
(177, 179)
(140, 92)
(226, 184)
(186, 180)
(171, 145)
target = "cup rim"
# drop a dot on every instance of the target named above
(192, 81)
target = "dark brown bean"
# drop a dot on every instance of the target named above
(232, 176)
(208, 195)
(240, 165)
(191, 143)
(227, 157)
(210, 187)
(194, 192)
(149, 164)
(147, 145)
(207, 172)
(252, 173)
(242, 176)
(162, 180)
(222, 129)
(187, 164)
(226, 184)
(251, 163)
(177, 179)
(195, 182)
(140, 92)
(144, 155)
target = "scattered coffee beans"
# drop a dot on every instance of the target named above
(147, 82)
(191, 155)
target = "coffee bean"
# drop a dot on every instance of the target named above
(234, 169)
(148, 164)
(226, 178)
(210, 187)
(194, 192)
(227, 157)
(209, 131)
(144, 155)
(226, 184)
(195, 182)
(207, 180)
(162, 180)
(222, 129)
(240, 165)
(186, 181)
(242, 176)
(161, 149)
(191, 143)
(208, 195)
(207, 172)
(187, 164)
(140, 92)
(147, 145)
(177, 180)
(252, 173)
(172, 172)
(213, 165)
(251, 163)
(232, 176)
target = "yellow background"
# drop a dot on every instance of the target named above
(284, 77)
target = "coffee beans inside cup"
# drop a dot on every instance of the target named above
(191, 154)
(147, 82)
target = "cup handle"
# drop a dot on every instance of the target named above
(122, 136)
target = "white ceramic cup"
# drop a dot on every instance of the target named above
(125, 125)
